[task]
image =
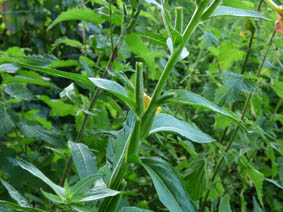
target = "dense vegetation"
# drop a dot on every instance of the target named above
(141, 105)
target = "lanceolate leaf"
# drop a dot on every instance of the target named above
(133, 209)
(5, 117)
(12, 207)
(16, 195)
(230, 11)
(56, 73)
(278, 88)
(99, 191)
(190, 98)
(115, 89)
(166, 122)
(36, 172)
(168, 185)
(78, 15)
(84, 161)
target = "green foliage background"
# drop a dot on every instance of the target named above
(41, 115)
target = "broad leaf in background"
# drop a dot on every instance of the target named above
(12, 207)
(166, 122)
(115, 89)
(234, 85)
(6, 116)
(36, 172)
(9, 68)
(31, 129)
(18, 91)
(255, 176)
(84, 161)
(16, 195)
(230, 11)
(133, 209)
(225, 204)
(196, 178)
(277, 86)
(78, 15)
(168, 185)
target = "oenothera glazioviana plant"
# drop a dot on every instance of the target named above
(143, 120)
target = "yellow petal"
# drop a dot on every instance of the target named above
(147, 100)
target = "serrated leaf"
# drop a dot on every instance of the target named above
(196, 178)
(225, 204)
(277, 86)
(5, 117)
(31, 129)
(166, 122)
(230, 11)
(234, 84)
(18, 91)
(168, 185)
(78, 15)
(84, 161)
(36, 172)
(115, 89)
(16, 195)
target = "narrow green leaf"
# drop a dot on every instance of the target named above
(78, 15)
(225, 204)
(115, 89)
(133, 209)
(54, 72)
(36, 172)
(84, 161)
(16, 195)
(99, 191)
(190, 98)
(53, 198)
(168, 185)
(166, 122)
(230, 11)
(84, 184)
(68, 42)
(12, 207)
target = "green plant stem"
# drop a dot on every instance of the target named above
(110, 24)
(97, 91)
(219, 163)
(150, 112)
(250, 42)
(188, 86)
(277, 107)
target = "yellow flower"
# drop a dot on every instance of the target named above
(147, 101)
